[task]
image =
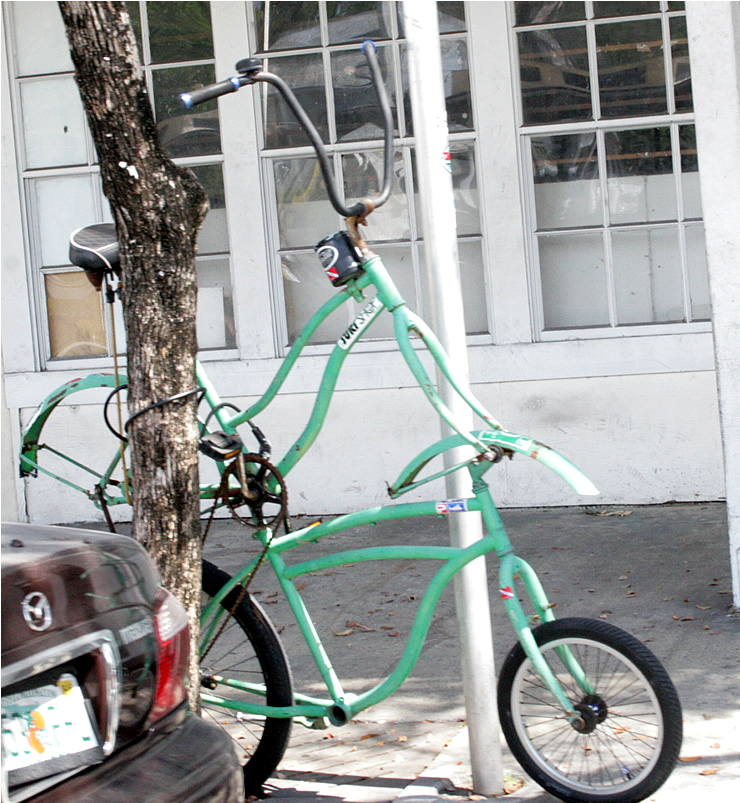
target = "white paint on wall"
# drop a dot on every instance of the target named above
(642, 439)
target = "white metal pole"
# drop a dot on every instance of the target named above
(443, 274)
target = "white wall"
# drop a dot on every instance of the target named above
(642, 439)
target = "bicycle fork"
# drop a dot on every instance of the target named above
(511, 568)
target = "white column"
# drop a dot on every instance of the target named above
(714, 48)
(443, 274)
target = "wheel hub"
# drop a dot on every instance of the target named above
(593, 712)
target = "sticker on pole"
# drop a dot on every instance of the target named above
(506, 593)
(447, 161)
(451, 506)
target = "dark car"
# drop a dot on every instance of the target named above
(94, 662)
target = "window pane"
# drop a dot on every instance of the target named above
(363, 177)
(399, 263)
(456, 84)
(53, 123)
(473, 286)
(567, 190)
(185, 132)
(631, 68)
(647, 276)
(355, 102)
(306, 289)
(623, 9)
(134, 13)
(456, 81)
(532, 13)
(180, 31)
(555, 83)
(357, 21)
(213, 237)
(641, 184)
(62, 205)
(451, 17)
(287, 25)
(574, 285)
(680, 65)
(41, 44)
(305, 76)
(215, 322)
(75, 315)
(690, 172)
(464, 187)
(696, 255)
(305, 215)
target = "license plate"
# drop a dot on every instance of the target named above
(47, 730)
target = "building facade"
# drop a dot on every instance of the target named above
(581, 235)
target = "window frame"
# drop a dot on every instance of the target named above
(600, 125)
(336, 149)
(31, 215)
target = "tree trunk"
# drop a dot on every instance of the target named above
(158, 209)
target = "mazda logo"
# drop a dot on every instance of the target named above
(36, 611)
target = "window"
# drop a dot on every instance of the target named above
(610, 151)
(61, 179)
(314, 47)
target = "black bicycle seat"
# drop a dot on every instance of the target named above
(95, 248)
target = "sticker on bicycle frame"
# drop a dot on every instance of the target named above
(447, 161)
(506, 593)
(360, 323)
(451, 506)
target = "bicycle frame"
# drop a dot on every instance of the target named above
(341, 706)
(484, 446)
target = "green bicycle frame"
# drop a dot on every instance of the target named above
(484, 447)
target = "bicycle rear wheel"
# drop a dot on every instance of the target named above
(248, 650)
(631, 733)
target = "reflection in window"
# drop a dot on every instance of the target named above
(631, 68)
(179, 31)
(304, 74)
(286, 25)
(355, 103)
(331, 80)
(611, 203)
(536, 13)
(554, 75)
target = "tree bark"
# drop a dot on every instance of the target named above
(158, 208)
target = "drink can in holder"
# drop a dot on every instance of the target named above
(340, 258)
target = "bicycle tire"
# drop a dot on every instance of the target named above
(248, 649)
(633, 718)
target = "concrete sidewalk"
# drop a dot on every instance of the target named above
(662, 573)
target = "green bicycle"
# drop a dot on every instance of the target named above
(587, 709)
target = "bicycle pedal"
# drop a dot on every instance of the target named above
(220, 445)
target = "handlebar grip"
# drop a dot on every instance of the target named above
(196, 96)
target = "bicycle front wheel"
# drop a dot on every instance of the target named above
(248, 650)
(628, 741)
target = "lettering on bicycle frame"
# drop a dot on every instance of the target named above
(360, 323)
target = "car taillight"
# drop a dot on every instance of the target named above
(173, 638)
